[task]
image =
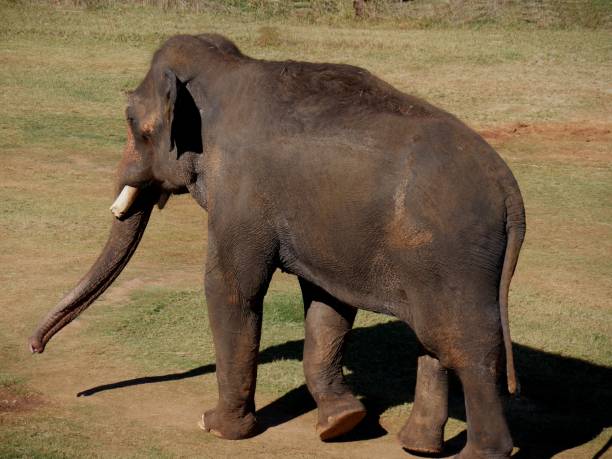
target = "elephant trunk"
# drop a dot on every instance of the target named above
(122, 242)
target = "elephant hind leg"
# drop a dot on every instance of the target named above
(488, 434)
(327, 323)
(476, 354)
(424, 430)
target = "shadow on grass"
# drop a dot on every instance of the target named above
(565, 402)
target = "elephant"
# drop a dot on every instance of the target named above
(374, 199)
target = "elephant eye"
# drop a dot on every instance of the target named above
(142, 133)
(129, 114)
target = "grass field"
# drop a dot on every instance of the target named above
(142, 356)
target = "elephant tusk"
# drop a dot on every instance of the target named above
(124, 201)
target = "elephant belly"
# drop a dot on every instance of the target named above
(383, 228)
(388, 254)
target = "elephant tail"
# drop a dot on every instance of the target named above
(515, 232)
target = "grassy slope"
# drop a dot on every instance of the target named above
(62, 73)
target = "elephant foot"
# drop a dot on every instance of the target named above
(421, 438)
(229, 427)
(470, 452)
(338, 414)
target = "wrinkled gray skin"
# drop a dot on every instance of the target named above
(374, 199)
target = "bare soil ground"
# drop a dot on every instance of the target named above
(141, 358)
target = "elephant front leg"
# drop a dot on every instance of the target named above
(235, 319)
(327, 323)
(424, 431)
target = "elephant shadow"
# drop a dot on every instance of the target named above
(565, 402)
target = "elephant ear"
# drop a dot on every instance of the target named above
(185, 119)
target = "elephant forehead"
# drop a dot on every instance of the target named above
(145, 116)
(143, 101)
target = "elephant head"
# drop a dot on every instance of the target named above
(164, 134)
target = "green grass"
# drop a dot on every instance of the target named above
(43, 439)
(63, 73)
(13, 383)
(164, 330)
(49, 437)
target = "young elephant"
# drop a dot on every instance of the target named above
(374, 199)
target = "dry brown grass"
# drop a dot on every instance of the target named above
(412, 13)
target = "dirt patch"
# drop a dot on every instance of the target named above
(121, 291)
(579, 131)
(579, 142)
(12, 401)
